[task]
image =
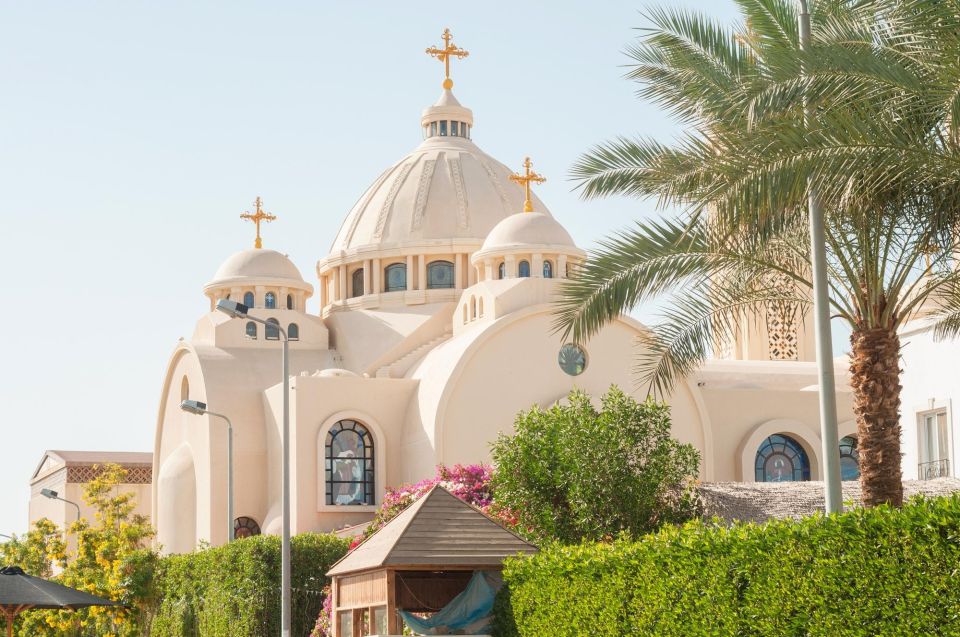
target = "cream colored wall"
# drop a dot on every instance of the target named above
(316, 404)
(742, 418)
(461, 407)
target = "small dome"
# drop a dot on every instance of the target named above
(258, 266)
(527, 229)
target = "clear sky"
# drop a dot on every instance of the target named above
(133, 134)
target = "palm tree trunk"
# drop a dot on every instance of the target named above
(875, 377)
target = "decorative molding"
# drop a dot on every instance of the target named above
(387, 206)
(456, 173)
(783, 339)
(361, 206)
(496, 182)
(85, 473)
(423, 189)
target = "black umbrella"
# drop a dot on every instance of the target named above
(20, 592)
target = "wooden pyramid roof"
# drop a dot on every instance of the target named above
(437, 530)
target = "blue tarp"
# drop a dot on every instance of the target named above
(469, 613)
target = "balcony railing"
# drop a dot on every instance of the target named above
(935, 469)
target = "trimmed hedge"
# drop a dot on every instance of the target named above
(234, 590)
(879, 571)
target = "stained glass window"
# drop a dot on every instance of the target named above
(251, 329)
(572, 359)
(293, 332)
(396, 277)
(524, 268)
(780, 458)
(349, 464)
(248, 299)
(270, 301)
(272, 330)
(849, 458)
(440, 275)
(455, 129)
(443, 128)
(357, 283)
(245, 527)
(547, 270)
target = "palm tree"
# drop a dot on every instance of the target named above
(882, 150)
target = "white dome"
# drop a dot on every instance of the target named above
(525, 230)
(258, 266)
(447, 189)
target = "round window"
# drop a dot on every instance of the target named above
(572, 359)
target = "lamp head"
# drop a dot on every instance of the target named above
(194, 407)
(49, 493)
(232, 308)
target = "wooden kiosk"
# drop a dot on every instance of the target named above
(418, 562)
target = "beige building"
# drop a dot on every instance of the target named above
(67, 473)
(435, 329)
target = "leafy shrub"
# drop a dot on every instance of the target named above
(571, 472)
(234, 590)
(880, 571)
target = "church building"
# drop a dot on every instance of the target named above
(434, 331)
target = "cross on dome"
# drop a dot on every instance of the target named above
(525, 179)
(257, 217)
(449, 49)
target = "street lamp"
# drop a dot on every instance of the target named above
(53, 495)
(821, 318)
(198, 408)
(9, 537)
(239, 310)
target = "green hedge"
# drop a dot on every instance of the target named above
(868, 572)
(234, 590)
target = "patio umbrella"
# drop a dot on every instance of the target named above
(20, 592)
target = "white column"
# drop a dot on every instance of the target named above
(342, 279)
(422, 272)
(282, 301)
(510, 269)
(258, 294)
(377, 288)
(537, 266)
(488, 269)
(561, 272)
(409, 272)
(366, 277)
(457, 272)
(472, 271)
(324, 292)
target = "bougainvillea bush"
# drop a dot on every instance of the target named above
(470, 483)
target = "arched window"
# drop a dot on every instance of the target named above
(440, 275)
(356, 287)
(349, 464)
(270, 301)
(547, 270)
(502, 270)
(245, 527)
(524, 268)
(396, 277)
(251, 329)
(849, 458)
(473, 307)
(293, 332)
(480, 307)
(184, 389)
(464, 312)
(248, 299)
(289, 301)
(780, 458)
(272, 330)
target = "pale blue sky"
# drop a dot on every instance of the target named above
(133, 134)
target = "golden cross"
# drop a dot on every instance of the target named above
(257, 217)
(525, 179)
(449, 48)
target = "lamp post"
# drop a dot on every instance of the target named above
(821, 318)
(239, 310)
(53, 495)
(9, 537)
(198, 408)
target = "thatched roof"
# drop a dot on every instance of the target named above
(437, 530)
(762, 501)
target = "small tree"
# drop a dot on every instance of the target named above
(571, 472)
(37, 552)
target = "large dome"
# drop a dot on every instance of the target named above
(446, 189)
(258, 266)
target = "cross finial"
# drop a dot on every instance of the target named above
(525, 179)
(257, 217)
(449, 49)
